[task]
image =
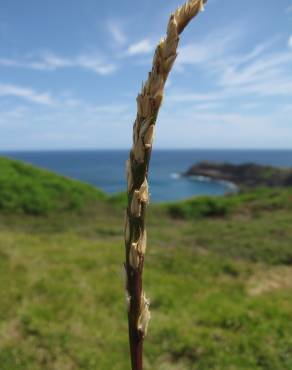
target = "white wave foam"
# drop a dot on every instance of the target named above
(175, 175)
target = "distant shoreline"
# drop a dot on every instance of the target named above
(241, 175)
(232, 186)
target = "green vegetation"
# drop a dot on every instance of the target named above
(253, 202)
(25, 189)
(219, 274)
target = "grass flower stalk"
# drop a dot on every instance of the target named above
(148, 104)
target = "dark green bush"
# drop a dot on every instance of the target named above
(254, 201)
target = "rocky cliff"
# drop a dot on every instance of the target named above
(247, 174)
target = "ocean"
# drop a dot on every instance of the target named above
(106, 168)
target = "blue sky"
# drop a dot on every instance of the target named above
(70, 72)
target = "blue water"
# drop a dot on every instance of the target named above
(106, 169)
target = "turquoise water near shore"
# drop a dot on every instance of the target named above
(106, 168)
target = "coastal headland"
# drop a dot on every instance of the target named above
(242, 175)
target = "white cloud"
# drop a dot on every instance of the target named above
(203, 126)
(81, 125)
(25, 93)
(17, 112)
(202, 52)
(260, 72)
(209, 52)
(142, 47)
(216, 51)
(189, 97)
(6, 62)
(238, 103)
(110, 108)
(287, 108)
(95, 64)
(269, 75)
(116, 32)
(49, 61)
(290, 42)
(257, 71)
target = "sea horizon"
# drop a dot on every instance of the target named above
(105, 168)
(154, 149)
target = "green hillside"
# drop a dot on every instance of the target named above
(218, 271)
(29, 190)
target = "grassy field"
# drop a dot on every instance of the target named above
(218, 271)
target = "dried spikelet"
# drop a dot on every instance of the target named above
(172, 26)
(128, 301)
(202, 7)
(183, 11)
(160, 49)
(134, 258)
(144, 317)
(135, 131)
(144, 126)
(147, 83)
(129, 175)
(158, 99)
(184, 14)
(176, 15)
(136, 204)
(171, 46)
(139, 151)
(141, 105)
(157, 83)
(148, 137)
(144, 105)
(161, 43)
(144, 192)
(148, 104)
(168, 63)
(158, 58)
(172, 39)
(127, 229)
(142, 243)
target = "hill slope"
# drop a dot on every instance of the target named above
(30, 190)
(219, 282)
